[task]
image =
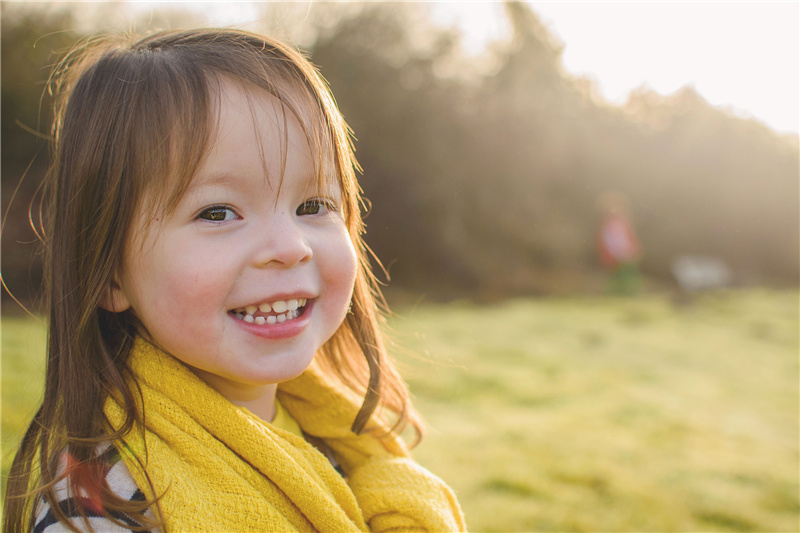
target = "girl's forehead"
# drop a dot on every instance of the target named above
(277, 108)
(279, 119)
(253, 131)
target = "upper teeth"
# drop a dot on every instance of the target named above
(285, 309)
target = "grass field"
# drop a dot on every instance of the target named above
(584, 414)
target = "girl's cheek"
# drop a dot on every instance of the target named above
(341, 269)
(350, 264)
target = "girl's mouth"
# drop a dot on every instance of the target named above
(271, 313)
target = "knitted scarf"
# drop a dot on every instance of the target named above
(217, 467)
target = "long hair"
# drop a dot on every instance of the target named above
(133, 121)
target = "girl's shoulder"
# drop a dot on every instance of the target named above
(115, 475)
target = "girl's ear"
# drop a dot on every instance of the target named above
(114, 300)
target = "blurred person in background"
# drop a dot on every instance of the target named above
(618, 246)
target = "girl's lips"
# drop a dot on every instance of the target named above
(274, 325)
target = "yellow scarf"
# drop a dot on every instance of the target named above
(220, 468)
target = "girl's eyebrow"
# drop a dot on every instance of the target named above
(215, 180)
(203, 185)
(211, 179)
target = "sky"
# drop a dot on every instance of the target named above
(743, 56)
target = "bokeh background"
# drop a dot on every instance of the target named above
(554, 403)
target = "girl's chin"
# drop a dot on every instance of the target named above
(253, 383)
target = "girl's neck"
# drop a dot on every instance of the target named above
(258, 399)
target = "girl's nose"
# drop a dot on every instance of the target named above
(282, 243)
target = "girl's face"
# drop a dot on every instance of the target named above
(250, 274)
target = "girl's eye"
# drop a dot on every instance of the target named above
(218, 213)
(315, 206)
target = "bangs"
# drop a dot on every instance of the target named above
(293, 103)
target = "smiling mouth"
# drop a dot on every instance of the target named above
(271, 313)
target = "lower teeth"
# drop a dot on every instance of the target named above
(271, 319)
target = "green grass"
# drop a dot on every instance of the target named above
(583, 414)
(612, 415)
(21, 381)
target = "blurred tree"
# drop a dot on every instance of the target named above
(30, 42)
(715, 184)
(408, 125)
(492, 186)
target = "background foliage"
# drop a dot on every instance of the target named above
(484, 181)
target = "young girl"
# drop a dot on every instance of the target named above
(215, 361)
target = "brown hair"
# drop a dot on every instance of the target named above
(135, 118)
